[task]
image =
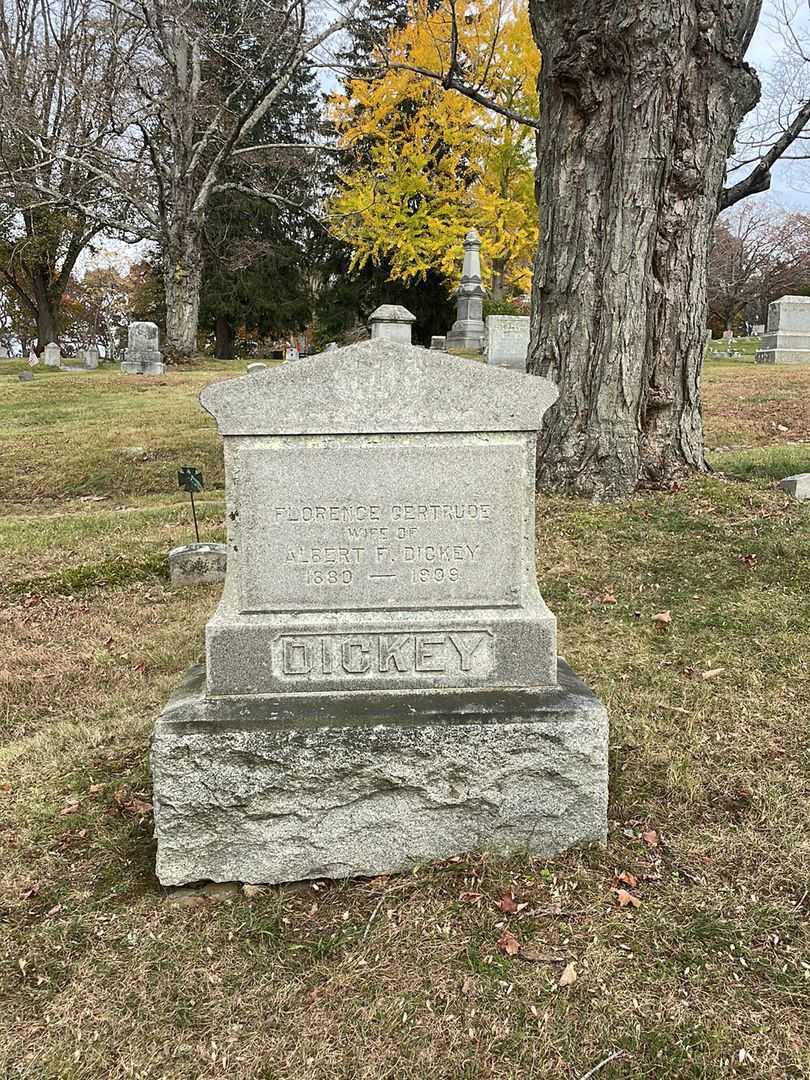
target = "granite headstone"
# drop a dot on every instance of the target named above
(381, 683)
(787, 336)
(142, 355)
(507, 341)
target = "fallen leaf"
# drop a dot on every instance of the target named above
(608, 598)
(92, 498)
(569, 976)
(748, 560)
(470, 897)
(315, 993)
(30, 892)
(94, 789)
(252, 891)
(469, 985)
(662, 619)
(508, 944)
(537, 956)
(624, 898)
(140, 668)
(71, 808)
(650, 838)
(712, 673)
(508, 904)
(628, 879)
(54, 910)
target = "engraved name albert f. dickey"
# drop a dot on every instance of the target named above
(380, 510)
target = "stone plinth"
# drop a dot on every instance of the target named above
(507, 341)
(381, 682)
(438, 343)
(198, 564)
(468, 331)
(787, 337)
(142, 355)
(308, 786)
(392, 322)
(798, 486)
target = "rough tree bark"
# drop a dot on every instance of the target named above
(640, 103)
(223, 338)
(182, 277)
(47, 303)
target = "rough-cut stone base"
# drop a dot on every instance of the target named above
(798, 486)
(198, 564)
(143, 367)
(272, 789)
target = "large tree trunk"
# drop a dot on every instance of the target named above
(639, 107)
(182, 278)
(223, 338)
(47, 306)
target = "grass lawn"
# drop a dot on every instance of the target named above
(706, 973)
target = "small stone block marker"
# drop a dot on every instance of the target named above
(787, 337)
(381, 684)
(52, 355)
(393, 322)
(507, 341)
(438, 343)
(26, 376)
(198, 564)
(798, 486)
(142, 355)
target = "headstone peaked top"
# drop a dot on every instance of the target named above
(393, 322)
(142, 355)
(381, 667)
(787, 336)
(467, 332)
(52, 354)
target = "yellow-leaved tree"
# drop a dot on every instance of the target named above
(427, 163)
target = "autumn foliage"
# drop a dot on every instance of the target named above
(427, 163)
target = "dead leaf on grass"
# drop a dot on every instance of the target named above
(662, 620)
(470, 897)
(508, 944)
(315, 993)
(252, 891)
(650, 838)
(628, 879)
(625, 899)
(609, 598)
(537, 956)
(712, 673)
(508, 904)
(569, 976)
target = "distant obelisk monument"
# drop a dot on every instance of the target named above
(467, 332)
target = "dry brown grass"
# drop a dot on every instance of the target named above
(401, 978)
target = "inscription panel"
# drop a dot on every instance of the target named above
(404, 522)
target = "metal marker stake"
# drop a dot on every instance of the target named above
(190, 480)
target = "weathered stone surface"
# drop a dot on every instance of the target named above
(52, 355)
(507, 341)
(91, 357)
(142, 354)
(198, 564)
(787, 338)
(380, 560)
(279, 789)
(438, 343)
(26, 376)
(392, 322)
(253, 368)
(798, 486)
(467, 332)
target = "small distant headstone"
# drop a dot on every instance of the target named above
(798, 486)
(708, 336)
(330, 347)
(381, 684)
(142, 355)
(253, 368)
(26, 376)
(3, 352)
(291, 353)
(787, 336)
(758, 329)
(507, 343)
(728, 335)
(91, 357)
(393, 322)
(52, 355)
(438, 343)
(198, 564)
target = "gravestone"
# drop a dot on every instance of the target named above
(198, 564)
(142, 355)
(728, 335)
(52, 355)
(787, 336)
(507, 341)
(91, 357)
(393, 322)
(26, 376)
(467, 332)
(257, 366)
(798, 486)
(438, 343)
(758, 329)
(381, 683)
